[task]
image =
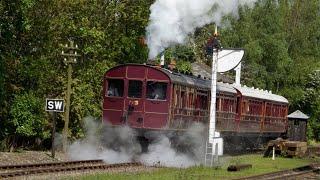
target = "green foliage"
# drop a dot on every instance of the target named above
(183, 55)
(28, 116)
(107, 33)
(86, 98)
(312, 104)
(184, 66)
(281, 41)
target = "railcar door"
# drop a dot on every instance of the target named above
(238, 111)
(133, 108)
(133, 114)
(113, 101)
(156, 104)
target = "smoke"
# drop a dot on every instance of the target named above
(117, 145)
(57, 143)
(161, 153)
(171, 21)
(106, 143)
(187, 148)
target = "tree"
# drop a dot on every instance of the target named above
(311, 104)
(28, 119)
(31, 38)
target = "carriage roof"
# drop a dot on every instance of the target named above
(224, 87)
(205, 84)
(259, 93)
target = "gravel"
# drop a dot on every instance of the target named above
(30, 157)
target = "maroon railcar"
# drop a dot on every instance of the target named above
(151, 98)
(130, 97)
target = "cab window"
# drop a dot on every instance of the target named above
(115, 88)
(156, 90)
(135, 89)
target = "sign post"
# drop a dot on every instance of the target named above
(54, 105)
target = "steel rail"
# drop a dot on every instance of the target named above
(286, 174)
(24, 166)
(67, 168)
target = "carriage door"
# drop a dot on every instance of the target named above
(113, 101)
(156, 104)
(133, 104)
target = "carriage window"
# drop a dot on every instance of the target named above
(156, 90)
(115, 87)
(135, 89)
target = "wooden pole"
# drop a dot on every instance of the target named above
(70, 58)
(67, 114)
(53, 134)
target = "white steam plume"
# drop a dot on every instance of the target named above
(161, 153)
(117, 145)
(172, 20)
(190, 151)
(111, 145)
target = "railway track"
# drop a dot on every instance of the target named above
(11, 171)
(311, 171)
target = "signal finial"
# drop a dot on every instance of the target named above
(216, 31)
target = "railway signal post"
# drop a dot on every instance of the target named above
(214, 140)
(223, 60)
(70, 55)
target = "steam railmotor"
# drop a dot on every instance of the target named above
(149, 98)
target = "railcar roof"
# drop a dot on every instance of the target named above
(187, 80)
(198, 82)
(225, 87)
(259, 93)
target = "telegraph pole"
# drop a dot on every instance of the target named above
(70, 55)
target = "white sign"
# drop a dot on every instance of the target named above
(56, 105)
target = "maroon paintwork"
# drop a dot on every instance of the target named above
(187, 101)
(146, 113)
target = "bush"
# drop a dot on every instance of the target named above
(28, 116)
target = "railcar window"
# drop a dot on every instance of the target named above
(183, 99)
(135, 89)
(115, 88)
(238, 105)
(156, 90)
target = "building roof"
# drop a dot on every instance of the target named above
(298, 115)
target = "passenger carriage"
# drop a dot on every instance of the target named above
(150, 98)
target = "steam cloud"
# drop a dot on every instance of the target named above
(118, 145)
(172, 20)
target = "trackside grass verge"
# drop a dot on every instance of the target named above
(260, 165)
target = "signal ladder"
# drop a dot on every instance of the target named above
(211, 159)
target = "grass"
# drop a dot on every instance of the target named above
(313, 142)
(260, 165)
